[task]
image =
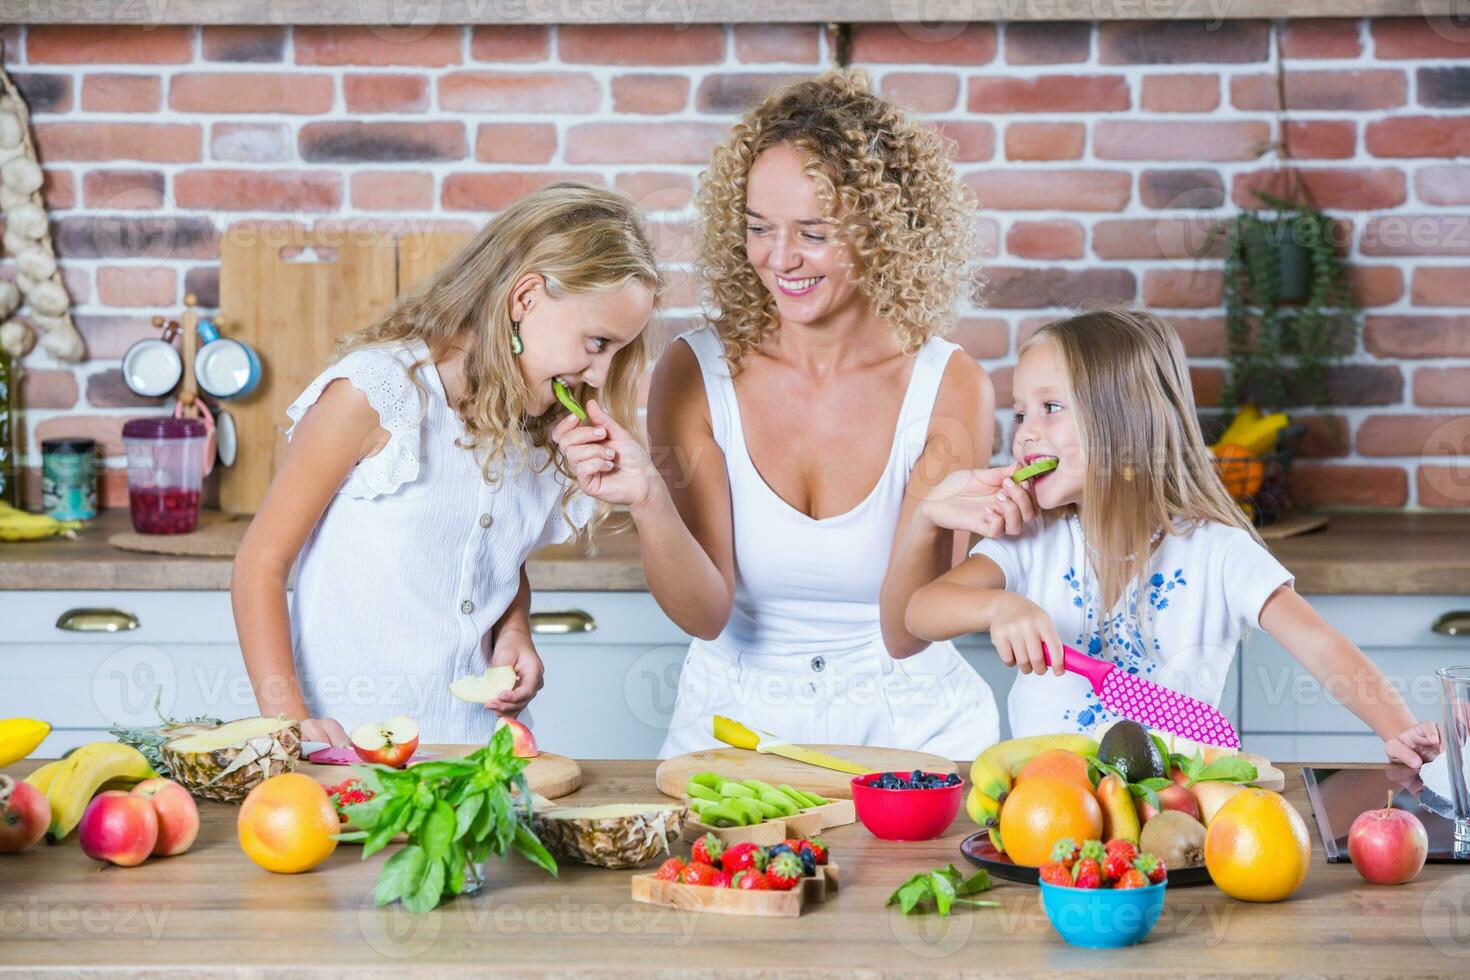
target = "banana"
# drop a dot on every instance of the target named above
(993, 769)
(982, 809)
(19, 738)
(42, 777)
(83, 773)
(18, 525)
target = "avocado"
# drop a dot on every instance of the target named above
(1128, 748)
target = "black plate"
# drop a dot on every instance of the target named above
(979, 851)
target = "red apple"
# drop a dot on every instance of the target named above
(524, 744)
(388, 743)
(1388, 846)
(1174, 797)
(25, 813)
(118, 827)
(178, 815)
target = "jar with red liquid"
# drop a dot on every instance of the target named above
(165, 472)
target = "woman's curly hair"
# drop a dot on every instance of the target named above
(886, 182)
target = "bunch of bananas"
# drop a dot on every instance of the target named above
(19, 738)
(70, 783)
(995, 768)
(20, 525)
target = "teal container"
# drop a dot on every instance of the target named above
(1103, 918)
(69, 479)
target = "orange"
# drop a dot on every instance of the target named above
(1257, 848)
(286, 824)
(1043, 809)
(1058, 764)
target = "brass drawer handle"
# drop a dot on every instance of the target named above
(1455, 623)
(97, 621)
(561, 623)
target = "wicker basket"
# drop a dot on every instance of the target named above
(1259, 483)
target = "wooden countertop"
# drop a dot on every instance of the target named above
(1371, 554)
(212, 912)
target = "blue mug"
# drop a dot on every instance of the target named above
(225, 368)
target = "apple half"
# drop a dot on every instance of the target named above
(523, 745)
(387, 743)
(485, 688)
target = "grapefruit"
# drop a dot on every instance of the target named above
(1256, 848)
(1042, 810)
(286, 824)
(1058, 764)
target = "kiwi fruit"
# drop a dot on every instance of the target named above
(1175, 838)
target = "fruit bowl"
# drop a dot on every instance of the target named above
(906, 814)
(1103, 918)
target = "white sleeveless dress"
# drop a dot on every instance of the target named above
(416, 557)
(803, 655)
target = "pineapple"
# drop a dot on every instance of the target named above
(621, 835)
(226, 762)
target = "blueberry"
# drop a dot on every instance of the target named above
(917, 775)
(952, 779)
(808, 863)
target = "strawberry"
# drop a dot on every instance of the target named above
(698, 873)
(722, 879)
(742, 856)
(1064, 851)
(1087, 873)
(1056, 873)
(1132, 878)
(708, 850)
(817, 847)
(1114, 866)
(784, 871)
(794, 843)
(670, 870)
(751, 880)
(1126, 848)
(1152, 867)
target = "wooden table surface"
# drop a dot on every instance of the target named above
(1368, 554)
(212, 912)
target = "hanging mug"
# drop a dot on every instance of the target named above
(152, 366)
(225, 368)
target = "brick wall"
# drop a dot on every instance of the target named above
(1098, 153)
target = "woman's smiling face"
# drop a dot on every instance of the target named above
(791, 246)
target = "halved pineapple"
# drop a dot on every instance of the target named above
(617, 835)
(226, 762)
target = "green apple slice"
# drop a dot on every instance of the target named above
(485, 688)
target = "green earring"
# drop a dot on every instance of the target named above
(516, 347)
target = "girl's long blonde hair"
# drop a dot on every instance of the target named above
(1147, 467)
(580, 239)
(886, 182)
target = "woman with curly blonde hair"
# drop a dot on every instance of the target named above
(804, 428)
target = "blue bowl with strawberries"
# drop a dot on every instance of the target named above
(1103, 918)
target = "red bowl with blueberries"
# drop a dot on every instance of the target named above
(907, 806)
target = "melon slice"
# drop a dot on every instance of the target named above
(487, 687)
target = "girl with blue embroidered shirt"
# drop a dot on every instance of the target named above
(421, 473)
(1130, 550)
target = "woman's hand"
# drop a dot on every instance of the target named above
(515, 649)
(1019, 630)
(984, 502)
(1415, 746)
(609, 462)
(325, 730)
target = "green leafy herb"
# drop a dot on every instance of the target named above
(1230, 769)
(456, 812)
(942, 889)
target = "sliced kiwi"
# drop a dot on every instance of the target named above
(564, 396)
(1035, 469)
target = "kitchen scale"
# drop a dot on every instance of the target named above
(1337, 797)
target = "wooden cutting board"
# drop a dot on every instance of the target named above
(292, 313)
(549, 774)
(421, 253)
(673, 773)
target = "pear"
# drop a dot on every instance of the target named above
(1211, 796)
(1120, 819)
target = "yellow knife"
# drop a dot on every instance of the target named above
(731, 732)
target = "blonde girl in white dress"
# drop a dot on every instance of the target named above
(420, 474)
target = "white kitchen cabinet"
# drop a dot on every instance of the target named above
(610, 689)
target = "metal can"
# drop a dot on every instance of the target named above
(69, 478)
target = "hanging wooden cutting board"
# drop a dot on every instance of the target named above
(291, 312)
(738, 764)
(423, 252)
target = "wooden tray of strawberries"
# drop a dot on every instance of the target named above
(779, 891)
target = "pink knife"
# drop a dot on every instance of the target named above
(1150, 704)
